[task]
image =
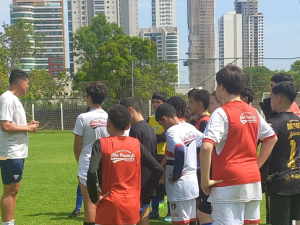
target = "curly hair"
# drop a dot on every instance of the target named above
(179, 104)
(97, 91)
(201, 96)
(119, 116)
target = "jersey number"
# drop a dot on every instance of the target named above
(291, 164)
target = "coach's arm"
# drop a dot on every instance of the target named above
(7, 126)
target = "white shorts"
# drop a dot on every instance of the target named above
(183, 211)
(236, 213)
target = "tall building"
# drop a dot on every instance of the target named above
(122, 12)
(47, 16)
(164, 13)
(201, 52)
(231, 39)
(167, 40)
(253, 32)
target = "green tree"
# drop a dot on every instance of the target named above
(104, 53)
(19, 40)
(295, 72)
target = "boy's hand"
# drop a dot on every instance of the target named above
(101, 197)
(206, 186)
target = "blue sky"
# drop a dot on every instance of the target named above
(282, 28)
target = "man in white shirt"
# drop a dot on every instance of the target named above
(14, 142)
(89, 127)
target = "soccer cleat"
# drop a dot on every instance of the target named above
(168, 219)
(153, 215)
(75, 213)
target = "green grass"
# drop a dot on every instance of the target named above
(48, 189)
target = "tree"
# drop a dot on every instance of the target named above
(17, 41)
(261, 77)
(106, 54)
(295, 72)
(43, 86)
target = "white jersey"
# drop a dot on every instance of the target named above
(91, 126)
(13, 145)
(186, 187)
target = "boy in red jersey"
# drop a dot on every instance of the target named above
(115, 167)
(230, 140)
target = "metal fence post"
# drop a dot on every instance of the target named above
(132, 85)
(62, 116)
(32, 111)
(150, 111)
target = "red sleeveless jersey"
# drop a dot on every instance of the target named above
(121, 176)
(237, 163)
(203, 118)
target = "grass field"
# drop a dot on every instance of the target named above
(48, 189)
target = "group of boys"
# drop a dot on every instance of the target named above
(207, 164)
(207, 174)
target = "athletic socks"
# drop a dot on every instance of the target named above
(78, 199)
(12, 222)
(85, 223)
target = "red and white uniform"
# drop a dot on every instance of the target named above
(234, 129)
(183, 193)
(121, 176)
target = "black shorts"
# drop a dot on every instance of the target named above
(284, 208)
(12, 170)
(204, 205)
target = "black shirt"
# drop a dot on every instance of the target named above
(284, 159)
(94, 176)
(146, 135)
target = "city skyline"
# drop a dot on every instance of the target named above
(282, 28)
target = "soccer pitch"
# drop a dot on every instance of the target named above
(48, 189)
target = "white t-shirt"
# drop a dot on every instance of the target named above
(217, 131)
(186, 187)
(90, 126)
(13, 145)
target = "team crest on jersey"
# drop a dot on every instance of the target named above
(188, 138)
(98, 123)
(247, 117)
(122, 155)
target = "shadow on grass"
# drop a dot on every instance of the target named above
(57, 216)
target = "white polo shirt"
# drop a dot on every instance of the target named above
(13, 145)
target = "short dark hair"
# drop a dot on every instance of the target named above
(132, 102)
(191, 91)
(248, 92)
(215, 95)
(179, 104)
(232, 78)
(286, 88)
(279, 77)
(97, 91)
(16, 76)
(119, 116)
(166, 110)
(160, 95)
(201, 96)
